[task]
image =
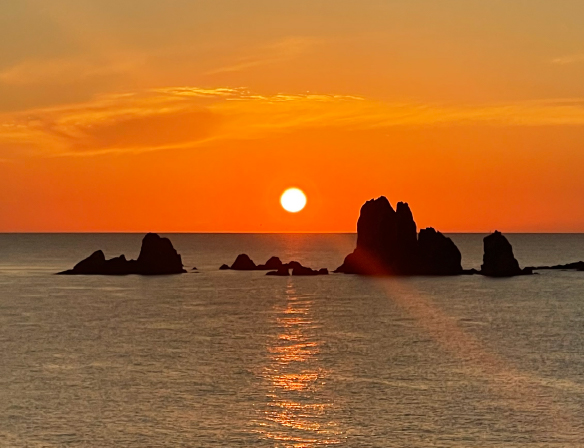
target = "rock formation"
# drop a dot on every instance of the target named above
(578, 266)
(243, 263)
(388, 244)
(302, 270)
(274, 265)
(271, 264)
(438, 254)
(498, 259)
(283, 271)
(157, 257)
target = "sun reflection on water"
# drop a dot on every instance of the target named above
(299, 411)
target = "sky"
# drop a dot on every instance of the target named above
(195, 116)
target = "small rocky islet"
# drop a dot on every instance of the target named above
(388, 244)
(274, 265)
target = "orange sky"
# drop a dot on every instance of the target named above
(194, 116)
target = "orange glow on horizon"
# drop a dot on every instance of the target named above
(111, 124)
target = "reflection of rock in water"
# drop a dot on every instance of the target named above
(299, 404)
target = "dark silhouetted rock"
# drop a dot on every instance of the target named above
(271, 264)
(157, 257)
(281, 271)
(293, 265)
(388, 244)
(302, 270)
(438, 254)
(224, 267)
(498, 258)
(243, 263)
(274, 265)
(94, 263)
(578, 266)
(406, 259)
(194, 269)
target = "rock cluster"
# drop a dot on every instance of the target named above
(157, 257)
(388, 244)
(498, 258)
(244, 263)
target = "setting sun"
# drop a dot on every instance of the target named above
(293, 200)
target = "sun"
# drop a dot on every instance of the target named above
(293, 200)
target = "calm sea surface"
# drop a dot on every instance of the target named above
(239, 359)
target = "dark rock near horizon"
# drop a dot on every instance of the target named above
(243, 263)
(438, 254)
(498, 258)
(274, 265)
(282, 271)
(271, 264)
(578, 266)
(388, 244)
(157, 257)
(294, 265)
(302, 270)
(224, 267)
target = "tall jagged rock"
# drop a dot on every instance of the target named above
(387, 244)
(406, 260)
(377, 228)
(376, 240)
(498, 258)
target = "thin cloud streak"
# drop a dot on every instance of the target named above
(569, 59)
(63, 71)
(284, 50)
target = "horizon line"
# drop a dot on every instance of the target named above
(116, 232)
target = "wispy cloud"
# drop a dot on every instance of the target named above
(49, 71)
(283, 50)
(188, 117)
(569, 59)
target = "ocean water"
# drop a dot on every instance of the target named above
(238, 359)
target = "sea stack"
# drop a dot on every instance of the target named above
(388, 244)
(498, 258)
(157, 257)
(243, 263)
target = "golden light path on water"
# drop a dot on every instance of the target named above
(298, 412)
(301, 410)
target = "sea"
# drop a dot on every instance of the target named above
(239, 359)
